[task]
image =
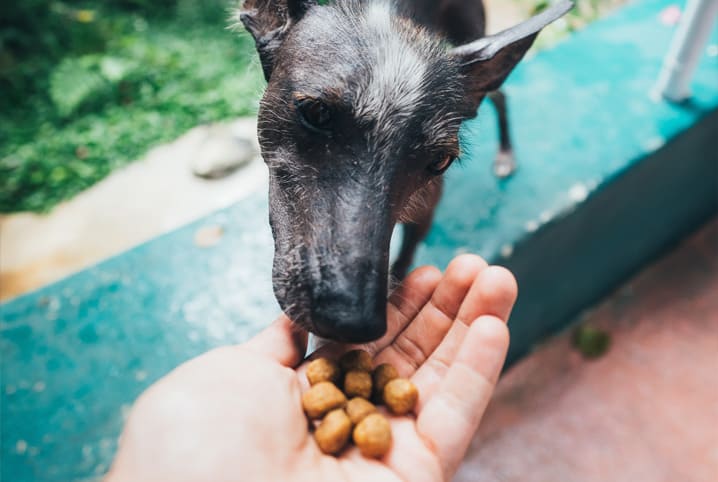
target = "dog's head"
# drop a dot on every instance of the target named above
(361, 114)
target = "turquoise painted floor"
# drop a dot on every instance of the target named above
(77, 353)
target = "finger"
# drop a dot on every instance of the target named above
(283, 341)
(493, 293)
(420, 337)
(451, 417)
(403, 305)
(407, 301)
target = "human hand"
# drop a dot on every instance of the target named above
(234, 413)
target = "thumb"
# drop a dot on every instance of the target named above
(282, 341)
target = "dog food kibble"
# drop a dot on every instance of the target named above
(323, 370)
(373, 436)
(382, 375)
(400, 396)
(355, 360)
(321, 398)
(357, 408)
(333, 432)
(336, 416)
(357, 384)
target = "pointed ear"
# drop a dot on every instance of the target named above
(488, 61)
(268, 21)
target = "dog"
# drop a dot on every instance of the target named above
(359, 120)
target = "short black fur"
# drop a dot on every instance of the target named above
(364, 100)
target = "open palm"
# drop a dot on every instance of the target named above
(234, 414)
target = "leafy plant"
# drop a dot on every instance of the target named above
(74, 81)
(99, 111)
(585, 12)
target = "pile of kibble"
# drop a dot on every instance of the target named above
(349, 411)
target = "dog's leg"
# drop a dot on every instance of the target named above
(414, 232)
(505, 163)
(464, 21)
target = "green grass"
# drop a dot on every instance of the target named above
(92, 113)
(583, 13)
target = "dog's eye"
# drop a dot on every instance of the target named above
(315, 115)
(439, 166)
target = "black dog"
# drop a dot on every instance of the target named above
(359, 120)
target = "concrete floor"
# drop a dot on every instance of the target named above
(645, 411)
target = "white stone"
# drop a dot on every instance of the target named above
(578, 192)
(222, 152)
(20, 447)
(507, 250)
(532, 226)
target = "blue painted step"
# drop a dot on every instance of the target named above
(607, 179)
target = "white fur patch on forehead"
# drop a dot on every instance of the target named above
(378, 15)
(395, 83)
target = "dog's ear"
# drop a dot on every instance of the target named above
(487, 62)
(268, 21)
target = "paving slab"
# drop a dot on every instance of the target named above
(151, 196)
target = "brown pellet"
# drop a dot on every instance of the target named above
(323, 370)
(400, 396)
(373, 436)
(357, 383)
(357, 408)
(333, 432)
(334, 420)
(355, 360)
(382, 375)
(322, 398)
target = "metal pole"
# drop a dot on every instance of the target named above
(686, 49)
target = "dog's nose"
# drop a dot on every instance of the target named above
(349, 317)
